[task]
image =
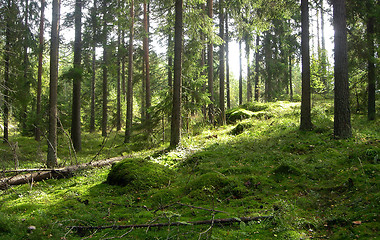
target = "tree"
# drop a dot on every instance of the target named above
(128, 122)
(342, 115)
(257, 69)
(221, 65)
(6, 71)
(227, 64)
(105, 72)
(54, 54)
(306, 95)
(177, 84)
(93, 75)
(39, 74)
(76, 105)
(240, 76)
(119, 57)
(210, 63)
(371, 65)
(146, 60)
(249, 84)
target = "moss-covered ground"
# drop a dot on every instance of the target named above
(314, 186)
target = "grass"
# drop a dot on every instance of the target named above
(313, 185)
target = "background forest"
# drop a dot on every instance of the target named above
(179, 83)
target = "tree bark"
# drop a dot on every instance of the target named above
(170, 61)
(177, 84)
(39, 74)
(147, 66)
(6, 73)
(54, 54)
(257, 69)
(240, 76)
(249, 84)
(227, 64)
(76, 116)
(93, 77)
(210, 63)
(342, 115)
(323, 54)
(118, 80)
(371, 64)
(268, 66)
(26, 82)
(221, 65)
(305, 124)
(290, 78)
(128, 122)
(105, 74)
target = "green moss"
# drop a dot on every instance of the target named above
(139, 174)
(236, 114)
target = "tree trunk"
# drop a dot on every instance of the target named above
(227, 64)
(257, 69)
(26, 83)
(54, 54)
(249, 84)
(290, 78)
(76, 116)
(323, 53)
(39, 74)
(105, 79)
(221, 64)
(147, 67)
(268, 63)
(118, 80)
(93, 77)
(305, 124)
(371, 64)
(170, 61)
(128, 122)
(210, 60)
(6, 74)
(177, 84)
(240, 76)
(342, 115)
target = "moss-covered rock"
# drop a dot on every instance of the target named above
(240, 128)
(139, 174)
(236, 114)
(255, 106)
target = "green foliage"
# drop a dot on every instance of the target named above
(139, 174)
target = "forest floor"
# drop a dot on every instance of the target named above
(305, 185)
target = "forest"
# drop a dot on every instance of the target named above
(189, 119)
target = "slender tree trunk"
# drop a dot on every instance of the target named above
(105, 75)
(240, 76)
(6, 73)
(305, 124)
(323, 54)
(371, 64)
(76, 116)
(128, 122)
(290, 78)
(227, 64)
(118, 76)
(222, 65)
(54, 54)
(39, 74)
(147, 66)
(210, 64)
(257, 69)
(93, 77)
(170, 60)
(249, 84)
(123, 64)
(268, 63)
(342, 115)
(26, 82)
(177, 84)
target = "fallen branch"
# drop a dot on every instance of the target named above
(43, 174)
(213, 221)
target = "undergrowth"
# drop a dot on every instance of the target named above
(310, 184)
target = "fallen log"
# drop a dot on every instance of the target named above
(204, 222)
(43, 174)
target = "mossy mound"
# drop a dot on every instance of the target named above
(214, 184)
(255, 106)
(139, 174)
(240, 128)
(236, 114)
